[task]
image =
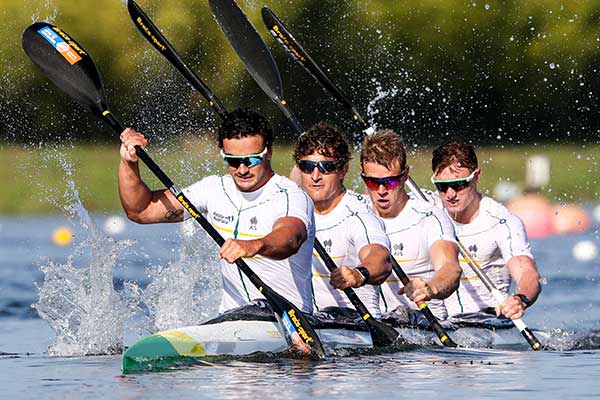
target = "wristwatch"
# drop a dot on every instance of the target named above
(365, 274)
(523, 298)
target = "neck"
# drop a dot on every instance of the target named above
(467, 215)
(326, 206)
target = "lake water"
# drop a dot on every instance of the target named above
(163, 278)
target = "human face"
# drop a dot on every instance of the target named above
(461, 190)
(324, 188)
(388, 199)
(248, 175)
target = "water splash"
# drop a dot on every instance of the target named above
(80, 303)
(187, 291)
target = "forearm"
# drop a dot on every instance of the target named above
(444, 282)
(375, 258)
(529, 285)
(284, 241)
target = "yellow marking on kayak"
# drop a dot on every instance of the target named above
(183, 343)
(105, 113)
(366, 316)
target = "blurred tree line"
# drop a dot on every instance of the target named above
(489, 71)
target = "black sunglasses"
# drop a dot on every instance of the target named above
(325, 167)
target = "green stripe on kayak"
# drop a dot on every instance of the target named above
(161, 350)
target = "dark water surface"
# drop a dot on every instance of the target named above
(569, 310)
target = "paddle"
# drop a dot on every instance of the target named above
(285, 38)
(258, 60)
(72, 69)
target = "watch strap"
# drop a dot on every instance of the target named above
(365, 273)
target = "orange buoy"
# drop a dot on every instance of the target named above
(535, 212)
(570, 218)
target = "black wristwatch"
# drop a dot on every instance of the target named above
(523, 298)
(365, 273)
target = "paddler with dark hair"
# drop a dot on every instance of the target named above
(265, 218)
(350, 232)
(421, 235)
(495, 237)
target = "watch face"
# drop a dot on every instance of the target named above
(523, 298)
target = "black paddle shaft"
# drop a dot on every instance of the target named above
(153, 35)
(381, 334)
(72, 69)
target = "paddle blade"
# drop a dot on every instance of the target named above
(299, 333)
(66, 63)
(251, 49)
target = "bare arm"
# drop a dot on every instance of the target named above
(445, 280)
(285, 240)
(140, 203)
(375, 258)
(527, 278)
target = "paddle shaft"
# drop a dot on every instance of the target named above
(381, 334)
(153, 35)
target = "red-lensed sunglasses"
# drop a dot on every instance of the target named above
(389, 182)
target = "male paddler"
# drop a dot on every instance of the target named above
(421, 235)
(264, 217)
(495, 237)
(346, 227)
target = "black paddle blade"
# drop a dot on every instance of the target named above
(251, 49)
(67, 64)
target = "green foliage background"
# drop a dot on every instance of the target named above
(488, 71)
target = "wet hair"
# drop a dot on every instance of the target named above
(242, 123)
(325, 140)
(453, 152)
(384, 148)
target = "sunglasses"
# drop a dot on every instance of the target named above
(454, 184)
(249, 160)
(325, 167)
(389, 182)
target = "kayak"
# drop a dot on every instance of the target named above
(253, 330)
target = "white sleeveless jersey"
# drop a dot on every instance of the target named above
(343, 232)
(493, 237)
(412, 233)
(247, 216)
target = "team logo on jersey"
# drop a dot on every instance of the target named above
(473, 249)
(327, 244)
(398, 249)
(222, 218)
(253, 222)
